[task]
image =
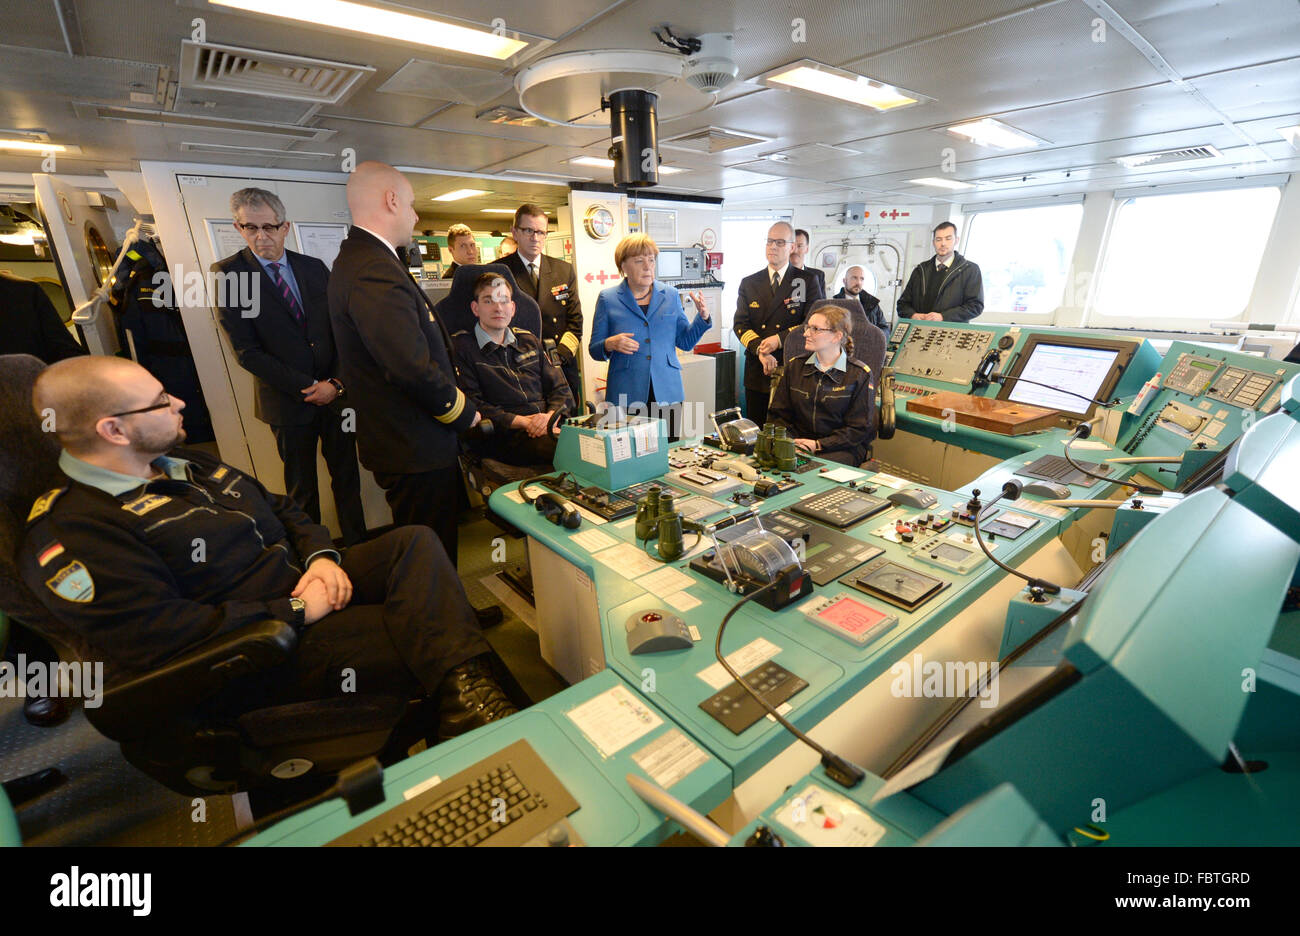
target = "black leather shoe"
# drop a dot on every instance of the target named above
(44, 712)
(469, 698)
(489, 616)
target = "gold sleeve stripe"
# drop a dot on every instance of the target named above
(570, 341)
(748, 336)
(453, 414)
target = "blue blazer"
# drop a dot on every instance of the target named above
(659, 332)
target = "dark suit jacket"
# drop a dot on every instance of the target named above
(760, 313)
(271, 345)
(29, 323)
(557, 296)
(820, 276)
(396, 362)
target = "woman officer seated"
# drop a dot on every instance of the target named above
(639, 324)
(825, 396)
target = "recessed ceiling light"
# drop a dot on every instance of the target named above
(940, 183)
(460, 193)
(1291, 135)
(600, 162)
(508, 211)
(32, 146)
(390, 24)
(818, 78)
(994, 133)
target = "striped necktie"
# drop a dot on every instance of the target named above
(286, 293)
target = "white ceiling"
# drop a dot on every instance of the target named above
(1169, 73)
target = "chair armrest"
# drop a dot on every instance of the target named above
(178, 686)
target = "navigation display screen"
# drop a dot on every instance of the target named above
(1078, 370)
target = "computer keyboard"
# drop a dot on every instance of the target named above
(1056, 468)
(509, 798)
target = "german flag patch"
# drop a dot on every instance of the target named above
(49, 553)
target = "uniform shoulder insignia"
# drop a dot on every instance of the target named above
(519, 331)
(457, 334)
(860, 364)
(44, 503)
(73, 583)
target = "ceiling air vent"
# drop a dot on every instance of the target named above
(712, 140)
(1190, 154)
(267, 74)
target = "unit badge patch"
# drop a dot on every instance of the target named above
(145, 503)
(73, 583)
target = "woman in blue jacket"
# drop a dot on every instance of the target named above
(638, 328)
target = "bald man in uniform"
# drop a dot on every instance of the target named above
(396, 361)
(113, 552)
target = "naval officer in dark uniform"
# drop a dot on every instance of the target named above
(554, 285)
(770, 303)
(507, 374)
(149, 550)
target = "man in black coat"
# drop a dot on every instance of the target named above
(283, 338)
(769, 305)
(854, 277)
(396, 361)
(945, 288)
(29, 323)
(554, 285)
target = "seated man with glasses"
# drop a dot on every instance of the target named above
(825, 396)
(284, 339)
(509, 377)
(553, 283)
(149, 550)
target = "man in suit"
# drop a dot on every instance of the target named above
(770, 303)
(554, 285)
(284, 340)
(397, 362)
(799, 258)
(463, 249)
(29, 323)
(945, 288)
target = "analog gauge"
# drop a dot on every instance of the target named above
(599, 222)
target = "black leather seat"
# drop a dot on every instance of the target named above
(161, 719)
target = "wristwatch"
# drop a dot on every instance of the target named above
(337, 385)
(299, 611)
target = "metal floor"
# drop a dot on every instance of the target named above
(106, 801)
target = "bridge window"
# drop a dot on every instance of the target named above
(1024, 255)
(1189, 255)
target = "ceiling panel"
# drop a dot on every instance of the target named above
(33, 24)
(1199, 36)
(460, 118)
(414, 147)
(370, 104)
(1252, 93)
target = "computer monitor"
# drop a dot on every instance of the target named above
(1088, 368)
(669, 265)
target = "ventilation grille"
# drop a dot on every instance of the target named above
(1190, 154)
(268, 74)
(810, 153)
(712, 140)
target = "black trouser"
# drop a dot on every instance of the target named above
(517, 447)
(297, 445)
(842, 456)
(670, 413)
(756, 405)
(426, 498)
(407, 625)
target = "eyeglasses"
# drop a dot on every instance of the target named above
(166, 403)
(814, 328)
(264, 228)
(531, 232)
(776, 243)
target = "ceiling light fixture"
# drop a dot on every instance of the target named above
(32, 146)
(1291, 135)
(994, 133)
(940, 183)
(388, 24)
(826, 81)
(508, 211)
(600, 162)
(460, 193)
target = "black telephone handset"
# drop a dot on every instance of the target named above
(888, 417)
